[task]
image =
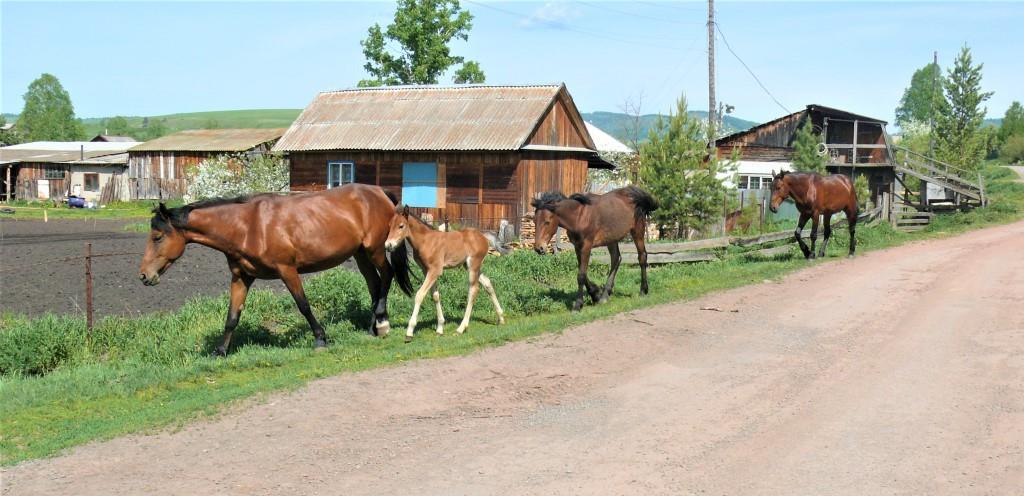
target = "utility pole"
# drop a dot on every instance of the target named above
(931, 109)
(711, 78)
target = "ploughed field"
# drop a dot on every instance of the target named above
(34, 282)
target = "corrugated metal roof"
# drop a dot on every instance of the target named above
(420, 118)
(606, 142)
(211, 140)
(64, 151)
(113, 139)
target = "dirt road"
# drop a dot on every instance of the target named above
(898, 372)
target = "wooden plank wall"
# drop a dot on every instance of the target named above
(557, 129)
(26, 183)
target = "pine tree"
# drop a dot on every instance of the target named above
(805, 150)
(958, 136)
(674, 170)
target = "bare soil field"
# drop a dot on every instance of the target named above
(897, 372)
(32, 283)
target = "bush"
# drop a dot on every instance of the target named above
(1013, 150)
(238, 174)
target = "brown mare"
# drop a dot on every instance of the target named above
(593, 220)
(816, 195)
(435, 251)
(279, 237)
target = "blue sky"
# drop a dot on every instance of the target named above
(151, 58)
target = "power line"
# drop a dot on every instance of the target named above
(759, 83)
(672, 6)
(573, 29)
(632, 14)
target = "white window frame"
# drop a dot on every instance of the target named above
(346, 175)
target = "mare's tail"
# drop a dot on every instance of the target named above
(400, 260)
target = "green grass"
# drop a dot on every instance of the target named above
(35, 210)
(62, 387)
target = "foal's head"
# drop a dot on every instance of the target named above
(780, 191)
(398, 230)
(165, 245)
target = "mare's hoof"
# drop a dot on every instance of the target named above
(320, 344)
(577, 306)
(218, 353)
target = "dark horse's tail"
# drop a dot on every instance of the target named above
(643, 201)
(400, 260)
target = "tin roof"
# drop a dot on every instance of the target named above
(111, 138)
(80, 152)
(606, 142)
(422, 118)
(211, 140)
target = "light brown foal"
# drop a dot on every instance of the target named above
(435, 251)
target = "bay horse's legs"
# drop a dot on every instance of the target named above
(486, 281)
(814, 231)
(440, 312)
(428, 282)
(473, 264)
(639, 232)
(826, 235)
(582, 282)
(851, 219)
(240, 283)
(291, 279)
(372, 283)
(616, 259)
(387, 275)
(799, 234)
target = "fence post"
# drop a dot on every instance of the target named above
(88, 287)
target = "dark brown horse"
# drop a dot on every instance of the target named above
(435, 251)
(593, 220)
(279, 237)
(816, 195)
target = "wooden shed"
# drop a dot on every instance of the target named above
(854, 144)
(53, 170)
(158, 169)
(467, 155)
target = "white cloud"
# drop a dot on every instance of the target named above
(553, 15)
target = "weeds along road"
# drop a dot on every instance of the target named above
(900, 371)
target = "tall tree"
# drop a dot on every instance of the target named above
(48, 114)
(116, 126)
(422, 31)
(922, 97)
(1013, 122)
(958, 136)
(805, 150)
(674, 170)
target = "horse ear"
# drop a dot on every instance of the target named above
(162, 210)
(405, 210)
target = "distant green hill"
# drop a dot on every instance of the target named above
(614, 123)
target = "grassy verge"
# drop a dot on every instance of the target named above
(118, 210)
(62, 387)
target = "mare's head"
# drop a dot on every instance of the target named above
(398, 230)
(545, 220)
(165, 245)
(780, 190)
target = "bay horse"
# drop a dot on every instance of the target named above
(816, 195)
(271, 236)
(435, 251)
(593, 220)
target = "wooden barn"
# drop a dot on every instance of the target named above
(158, 169)
(54, 170)
(466, 155)
(854, 144)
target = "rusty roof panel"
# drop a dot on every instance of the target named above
(211, 140)
(420, 118)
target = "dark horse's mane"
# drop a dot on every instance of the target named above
(164, 218)
(549, 199)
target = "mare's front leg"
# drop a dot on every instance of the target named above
(609, 285)
(799, 234)
(827, 234)
(373, 283)
(292, 281)
(240, 283)
(428, 282)
(814, 231)
(582, 282)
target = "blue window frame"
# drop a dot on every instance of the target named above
(340, 173)
(419, 184)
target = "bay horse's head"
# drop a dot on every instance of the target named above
(165, 245)
(545, 220)
(780, 190)
(398, 230)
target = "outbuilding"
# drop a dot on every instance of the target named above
(54, 170)
(465, 155)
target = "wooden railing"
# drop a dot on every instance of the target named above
(941, 174)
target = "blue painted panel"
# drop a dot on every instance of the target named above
(419, 184)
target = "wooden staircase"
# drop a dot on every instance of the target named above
(967, 192)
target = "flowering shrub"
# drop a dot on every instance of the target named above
(238, 174)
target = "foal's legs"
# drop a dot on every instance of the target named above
(799, 234)
(440, 312)
(827, 234)
(494, 297)
(240, 283)
(616, 259)
(473, 264)
(639, 233)
(372, 283)
(428, 282)
(291, 279)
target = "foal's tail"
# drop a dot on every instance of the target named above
(643, 201)
(492, 240)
